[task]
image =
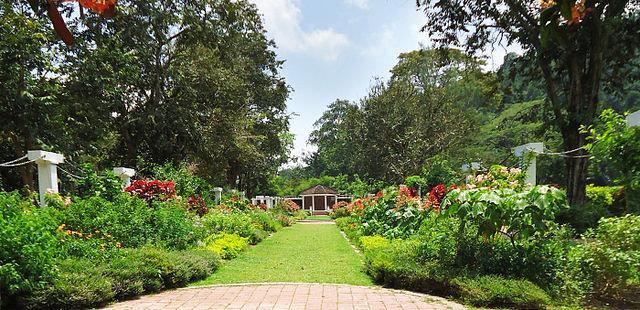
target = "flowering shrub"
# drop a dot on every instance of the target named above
(291, 206)
(150, 190)
(339, 210)
(499, 177)
(198, 204)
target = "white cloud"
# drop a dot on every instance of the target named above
(363, 4)
(283, 22)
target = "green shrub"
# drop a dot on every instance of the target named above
(29, 246)
(83, 283)
(80, 284)
(370, 243)
(187, 183)
(610, 258)
(265, 220)
(226, 245)
(349, 225)
(130, 221)
(285, 220)
(492, 291)
(237, 222)
(106, 185)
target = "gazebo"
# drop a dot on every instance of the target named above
(319, 199)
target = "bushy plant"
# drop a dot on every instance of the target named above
(370, 243)
(105, 185)
(265, 220)
(80, 284)
(150, 190)
(239, 223)
(493, 291)
(613, 142)
(187, 183)
(438, 170)
(610, 258)
(131, 221)
(29, 246)
(83, 283)
(226, 245)
(517, 215)
(339, 209)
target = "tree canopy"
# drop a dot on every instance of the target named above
(161, 82)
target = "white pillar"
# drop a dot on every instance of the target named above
(124, 174)
(529, 152)
(269, 200)
(302, 202)
(47, 171)
(254, 201)
(633, 119)
(326, 207)
(313, 204)
(260, 199)
(218, 194)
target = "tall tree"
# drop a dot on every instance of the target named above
(571, 41)
(163, 81)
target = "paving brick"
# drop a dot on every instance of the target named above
(292, 296)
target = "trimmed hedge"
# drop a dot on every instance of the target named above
(82, 283)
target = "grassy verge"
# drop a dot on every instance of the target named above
(302, 253)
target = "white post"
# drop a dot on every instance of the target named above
(633, 119)
(218, 194)
(269, 202)
(326, 207)
(522, 151)
(124, 174)
(260, 199)
(47, 171)
(302, 202)
(254, 201)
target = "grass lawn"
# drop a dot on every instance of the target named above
(302, 253)
(318, 217)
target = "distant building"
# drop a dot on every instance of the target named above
(319, 199)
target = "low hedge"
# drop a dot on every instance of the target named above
(402, 271)
(83, 283)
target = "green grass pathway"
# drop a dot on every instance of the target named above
(302, 253)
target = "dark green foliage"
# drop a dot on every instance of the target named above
(105, 185)
(188, 184)
(82, 283)
(79, 284)
(610, 259)
(438, 170)
(603, 201)
(29, 245)
(131, 221)
(492, 291)
(613, 143)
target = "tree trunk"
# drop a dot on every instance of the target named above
(575, 166)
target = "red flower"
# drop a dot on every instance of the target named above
(150, 190)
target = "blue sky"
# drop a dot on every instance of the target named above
(335, 48)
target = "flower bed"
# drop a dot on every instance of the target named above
(82, 252)
(492, 243)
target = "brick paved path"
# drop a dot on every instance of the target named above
(287, 296)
